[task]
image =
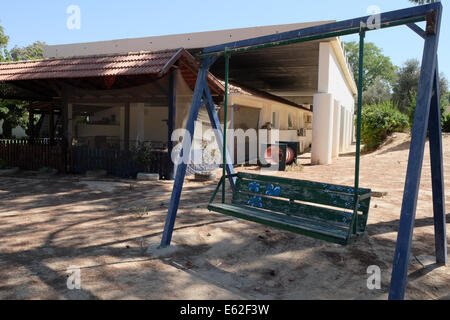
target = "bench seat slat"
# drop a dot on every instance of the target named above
(294, 224)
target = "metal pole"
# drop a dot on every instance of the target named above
(320, 36)
(225, 120)
(362, 34)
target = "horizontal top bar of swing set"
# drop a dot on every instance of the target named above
(329, 30)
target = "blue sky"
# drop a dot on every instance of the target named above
(45, 20)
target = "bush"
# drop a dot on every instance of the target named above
(412, 110)
(379, 121)
(446, 123)
(143, 156)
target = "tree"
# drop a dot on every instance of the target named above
(447, 98)
(31, 52)
(4, 39)
(405, 88)
(377, 67)
(377, 93)
(406, 85)
(13, 112)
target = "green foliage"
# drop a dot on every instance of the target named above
(4, 39)
(13, 114)
(378, 121)
(407, 83)
(412, 110)
(405, 87)
(446, 123)
(12, 111)
(376, 65)
(31, 52)
(141, 212)
(444, 105)
(446, 98)
(143, 156)
(377, 93)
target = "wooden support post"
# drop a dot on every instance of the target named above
(437, 173)
(126, 135)
(172, 117)
(65, 129)
(65, 122)
(51, 126)
(415, 162)
(31, 125)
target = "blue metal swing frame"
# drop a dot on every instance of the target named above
(427, 117)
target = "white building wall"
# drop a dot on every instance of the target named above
(283, 111)
(322, 145)
(336, 128)
(333, 83)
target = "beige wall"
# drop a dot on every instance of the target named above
(155, 124)
(250, 112)
(146, 123)
(93, 130)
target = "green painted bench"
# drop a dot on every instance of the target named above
(324, 211)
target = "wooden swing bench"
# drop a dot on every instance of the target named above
(319, 210)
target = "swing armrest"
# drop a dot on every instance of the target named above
(216, 190)
(365, 196)
(354, 226)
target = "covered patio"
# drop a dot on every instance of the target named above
(114, 102)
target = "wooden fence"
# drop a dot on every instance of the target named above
(118, 163)
(79, 160)
(32, 156)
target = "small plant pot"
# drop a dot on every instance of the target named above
(205, 176)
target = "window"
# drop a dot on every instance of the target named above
(290, 122)
(274, 120)
(301, 123)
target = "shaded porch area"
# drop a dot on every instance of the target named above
(115, 113)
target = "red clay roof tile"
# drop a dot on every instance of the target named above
(92, 66)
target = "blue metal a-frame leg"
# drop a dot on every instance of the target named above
(427, 116)
(202, 96)
(437, 174)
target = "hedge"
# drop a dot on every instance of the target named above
(378, 122)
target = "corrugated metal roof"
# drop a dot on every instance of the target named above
(92, 66)
(240, 90)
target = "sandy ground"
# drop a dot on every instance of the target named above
(48, 224)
